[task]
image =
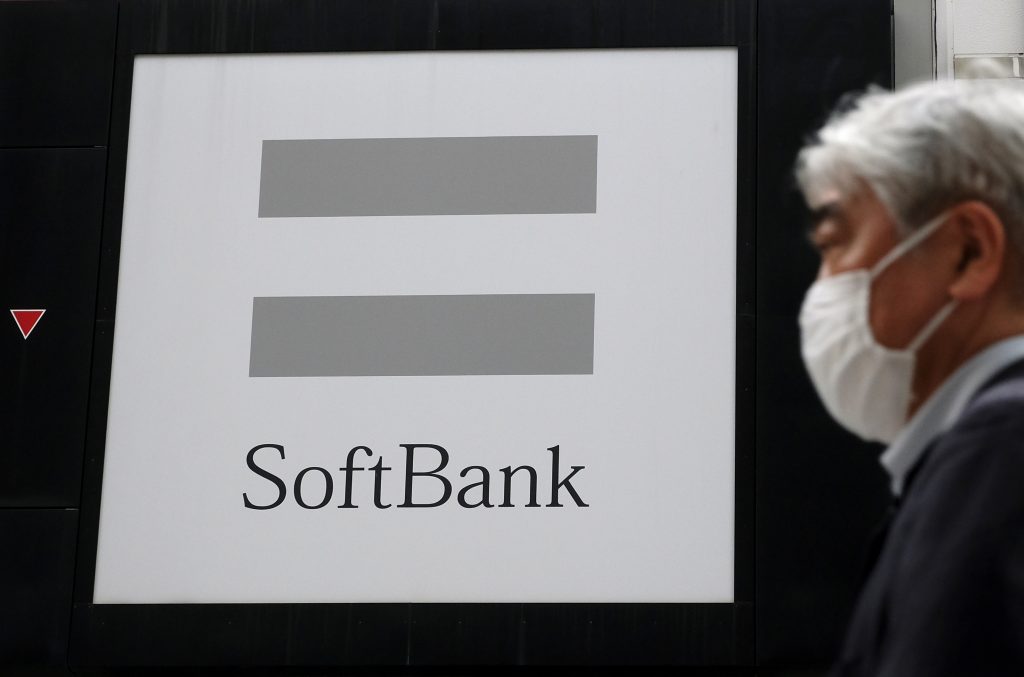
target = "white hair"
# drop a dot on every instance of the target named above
(926, 148)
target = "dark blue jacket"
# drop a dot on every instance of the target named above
(946, 594)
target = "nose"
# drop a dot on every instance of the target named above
(823, 270)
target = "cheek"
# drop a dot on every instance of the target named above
(886, 326)
(900, 306)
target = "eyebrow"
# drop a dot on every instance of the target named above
(830, 209)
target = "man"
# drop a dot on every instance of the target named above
(913, 335)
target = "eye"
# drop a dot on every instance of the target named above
(826, 234)
(820, 238)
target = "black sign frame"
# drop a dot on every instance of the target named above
(312, 635)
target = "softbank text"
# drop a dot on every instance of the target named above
(430, 488)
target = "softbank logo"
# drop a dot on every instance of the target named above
(421, 335)
(423, 481)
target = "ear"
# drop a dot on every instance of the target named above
(981, 237)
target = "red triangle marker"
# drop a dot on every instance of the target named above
(27, 319)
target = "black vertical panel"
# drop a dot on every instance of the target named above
(55, 64)
(819, 490)
(36, 566)
(49, 250)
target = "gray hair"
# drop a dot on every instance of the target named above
(924, 149)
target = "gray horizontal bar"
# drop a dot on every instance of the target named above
(429, 176)
(422, 335)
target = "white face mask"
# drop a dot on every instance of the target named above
(865, 386)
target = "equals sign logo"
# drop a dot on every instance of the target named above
(27, 319)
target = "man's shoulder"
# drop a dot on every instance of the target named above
(982, 455)
(998, 403)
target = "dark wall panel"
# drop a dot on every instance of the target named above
(36, 568)
(49, 250)
(55, 72)
(341, 25)
(819, 490)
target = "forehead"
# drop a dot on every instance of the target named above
(850, 209)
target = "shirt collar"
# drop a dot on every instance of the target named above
(944, 407)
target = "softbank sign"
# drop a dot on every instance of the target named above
(470, 310)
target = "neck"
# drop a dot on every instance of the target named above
(968, 331)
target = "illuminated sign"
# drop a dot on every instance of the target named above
(498, 285)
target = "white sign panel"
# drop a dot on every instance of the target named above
(425, 327)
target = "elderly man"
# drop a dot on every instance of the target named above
(913, 335)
